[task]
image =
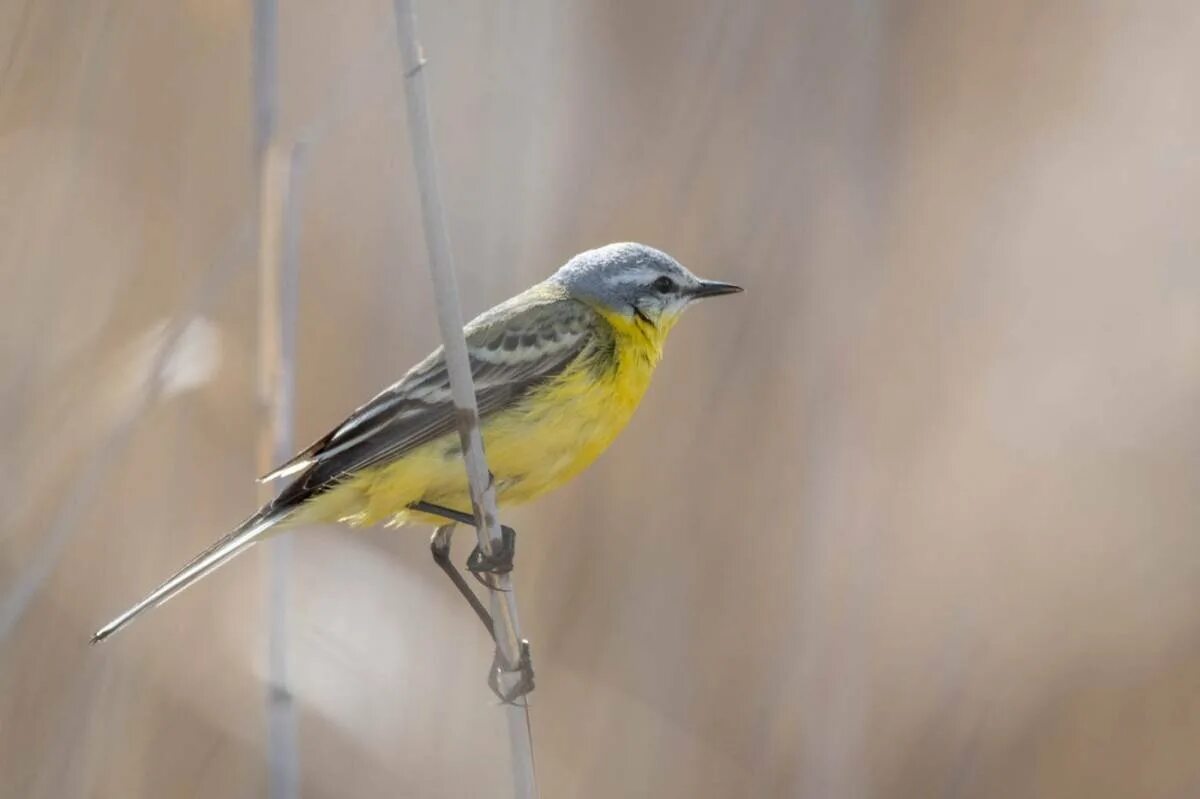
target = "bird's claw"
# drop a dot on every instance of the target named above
(499, 562)
(523, 667)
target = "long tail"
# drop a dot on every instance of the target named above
(208, 561)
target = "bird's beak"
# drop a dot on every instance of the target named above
(713, 288)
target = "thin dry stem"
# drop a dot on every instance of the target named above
(483, 496)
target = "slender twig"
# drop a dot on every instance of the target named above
(506, 629)
(278, 281)
(276, 378)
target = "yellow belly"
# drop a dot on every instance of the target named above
(550, 437)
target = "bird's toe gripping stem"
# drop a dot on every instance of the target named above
(523, 668)
(500, 561)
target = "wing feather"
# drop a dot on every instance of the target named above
(511, 352)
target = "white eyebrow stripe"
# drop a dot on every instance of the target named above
(640, 274)
(644, 275)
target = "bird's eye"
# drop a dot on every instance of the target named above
(664, 285)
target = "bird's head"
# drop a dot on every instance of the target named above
(637, 284)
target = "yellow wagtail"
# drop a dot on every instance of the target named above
(558, 369)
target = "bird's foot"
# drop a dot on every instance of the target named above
(523, 668)
(499, 562)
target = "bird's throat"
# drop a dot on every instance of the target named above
(638, 334)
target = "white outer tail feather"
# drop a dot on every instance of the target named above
(208, 561)
(287, 469)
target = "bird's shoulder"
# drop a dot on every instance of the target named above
(544, 318)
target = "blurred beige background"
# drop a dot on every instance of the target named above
(916, 516)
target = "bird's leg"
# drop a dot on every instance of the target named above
(479, 563)
(439, 545)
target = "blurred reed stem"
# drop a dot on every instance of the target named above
(277, 236)
(278, 289)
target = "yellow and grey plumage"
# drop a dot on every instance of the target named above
(559, 370)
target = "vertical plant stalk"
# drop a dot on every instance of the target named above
(507, 629)
(278, 282)
(277, 237)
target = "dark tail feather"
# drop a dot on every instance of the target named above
(241, 539)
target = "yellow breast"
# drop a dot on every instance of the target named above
(562, 429)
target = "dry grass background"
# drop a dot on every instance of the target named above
(916, 516)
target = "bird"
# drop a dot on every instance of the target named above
(559, 370)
